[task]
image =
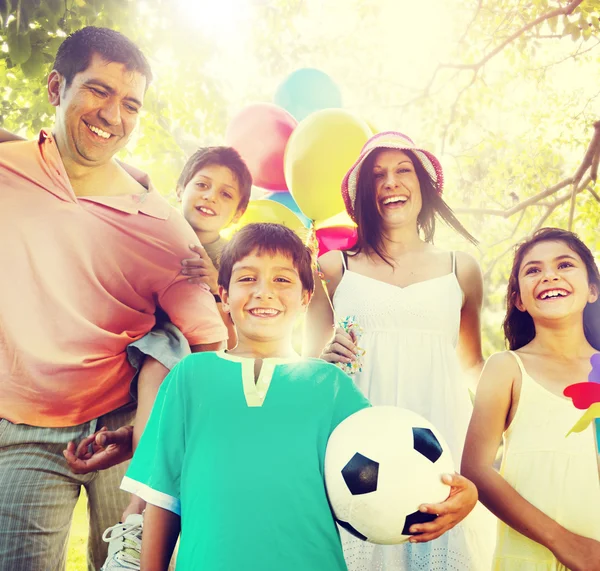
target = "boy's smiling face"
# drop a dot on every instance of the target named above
(264, 297)
(210, 199)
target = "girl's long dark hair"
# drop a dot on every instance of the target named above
(369, 220)
(519, 328)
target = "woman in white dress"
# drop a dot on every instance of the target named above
(419, 309)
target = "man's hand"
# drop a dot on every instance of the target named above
(462, 499)
(200, 269)
(108, 448)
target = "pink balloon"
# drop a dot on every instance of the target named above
(336, 238)
(260, 132)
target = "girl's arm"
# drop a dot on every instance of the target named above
(492, 407)
(161, 529)
(469, 343)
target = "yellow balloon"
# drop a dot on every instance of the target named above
(267, 211)
(373, 127)
(320, 151)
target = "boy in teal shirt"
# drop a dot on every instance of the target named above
(234, 448)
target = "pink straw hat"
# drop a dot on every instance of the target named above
(389, 140)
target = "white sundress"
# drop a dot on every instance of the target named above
(410, 335)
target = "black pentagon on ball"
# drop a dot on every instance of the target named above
(360, 475)
(416, 517)
(426, 443)
(350, 529)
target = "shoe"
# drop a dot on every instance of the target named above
(124, 544)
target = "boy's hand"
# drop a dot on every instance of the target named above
(462, 499)
(109, 448)
(201, 269)
(341, 349)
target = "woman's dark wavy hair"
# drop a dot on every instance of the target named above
(368, 217)
(519, 328)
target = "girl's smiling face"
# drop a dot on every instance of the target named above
(553, 282)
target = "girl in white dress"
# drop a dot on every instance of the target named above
(416, 304)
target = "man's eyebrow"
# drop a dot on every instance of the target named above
(106, 87)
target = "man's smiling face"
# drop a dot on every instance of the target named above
(97, 113)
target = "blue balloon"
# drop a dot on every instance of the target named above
(308, 90)
(285, 198)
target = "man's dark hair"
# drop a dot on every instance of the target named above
(267, 238)
(220, 156)
(75, 53)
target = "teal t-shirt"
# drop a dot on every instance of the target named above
(242, 462)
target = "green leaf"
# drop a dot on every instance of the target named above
(35, 65)
(19, 46)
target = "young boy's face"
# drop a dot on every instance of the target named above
(211, 198)
(265, 296)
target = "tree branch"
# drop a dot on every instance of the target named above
(564, 11)
(518, 207)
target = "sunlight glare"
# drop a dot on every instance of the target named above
(214, 18)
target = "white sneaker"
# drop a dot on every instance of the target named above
(124, 544)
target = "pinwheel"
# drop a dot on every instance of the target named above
(586, 396)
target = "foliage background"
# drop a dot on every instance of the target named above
(504, 91)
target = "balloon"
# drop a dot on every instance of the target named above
(288, 201)
(307, 90)
(373, 127)
(319, 153)
(341, 219)
(267, 211)
(336, 238)
(259, 132)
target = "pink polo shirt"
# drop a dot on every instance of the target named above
(80, 280)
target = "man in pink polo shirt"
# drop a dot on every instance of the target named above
(91, 251)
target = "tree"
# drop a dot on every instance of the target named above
(512, 110)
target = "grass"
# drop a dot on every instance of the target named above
(76, 556)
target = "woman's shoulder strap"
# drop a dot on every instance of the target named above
(344, 260)
(519, 362)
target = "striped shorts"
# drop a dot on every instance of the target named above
(38, 493)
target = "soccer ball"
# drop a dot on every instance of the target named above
(381, 464)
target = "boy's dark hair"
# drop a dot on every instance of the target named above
(75, 53)
(220, 156)
(267, 238)
(368, 217)
(519, 328)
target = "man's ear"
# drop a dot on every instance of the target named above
(55, 84)
(224, 299)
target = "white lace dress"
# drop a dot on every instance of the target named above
(410, 337)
